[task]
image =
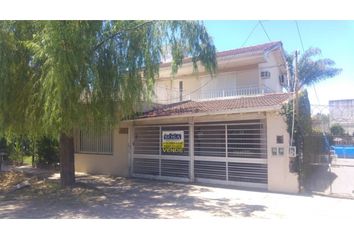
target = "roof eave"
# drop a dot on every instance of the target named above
(212, 113)
(220, 58)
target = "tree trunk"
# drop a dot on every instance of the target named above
(66, 155)
(33, 151)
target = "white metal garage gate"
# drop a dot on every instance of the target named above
(224, 153)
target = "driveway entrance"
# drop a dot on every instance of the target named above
(336, 179)
(109, 197)
(226, 153)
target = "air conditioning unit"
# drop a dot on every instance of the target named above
(282, 80)
(265, 74)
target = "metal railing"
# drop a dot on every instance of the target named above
(167, 96)
(227, 93)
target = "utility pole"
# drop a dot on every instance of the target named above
(296, 86)
(297, 115)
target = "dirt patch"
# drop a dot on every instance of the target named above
(101, 196)
(9, 179)
(45, 190)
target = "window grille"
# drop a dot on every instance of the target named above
(147, 140)
(247, 172)
(246, 139)
(97, 141)
(224, 152)
(146, 166)
(175, 168)
(149, 158)
(210, 170)
(209, 140)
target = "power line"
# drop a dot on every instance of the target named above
(260, 22)
(303, 49)
(298, 32)
(249, 35)
(314, 87)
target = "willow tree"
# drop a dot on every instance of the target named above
(58, 76)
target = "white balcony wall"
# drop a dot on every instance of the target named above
(231, 80)
(248, 78)
(220, 82)
(162, 92)
(205, 86)
(190, 85)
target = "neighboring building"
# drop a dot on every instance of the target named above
(320, 123)
(223, 130)
(342, 112)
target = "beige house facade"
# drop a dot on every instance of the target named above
(224, 129)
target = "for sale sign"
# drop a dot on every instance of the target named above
(172, 141)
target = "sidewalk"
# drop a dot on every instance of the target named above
(343, 162)
(100, 196)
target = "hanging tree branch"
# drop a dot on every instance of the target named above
(120, 32)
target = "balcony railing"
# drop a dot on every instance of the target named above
(167, 96)
(227, 93)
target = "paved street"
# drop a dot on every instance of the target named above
(338, 180)
(344, 182)
(136, 198)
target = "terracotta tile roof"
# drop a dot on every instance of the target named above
(238, 51)
(215, 106)
(251, 49)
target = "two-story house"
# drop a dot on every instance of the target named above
(224, 129)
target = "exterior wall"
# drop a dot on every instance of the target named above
(248, 78)
(115, 164)
(233, 74)
(342, 112)
(231, 80)
(198, 86)
(271, 66)
(190, 84)
(279, 177)
(161, 91)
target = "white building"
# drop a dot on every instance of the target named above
(342, 112)
(228, 128)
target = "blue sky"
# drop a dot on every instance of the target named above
(334, 38)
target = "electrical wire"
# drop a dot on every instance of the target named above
(294, 90)
(260, 22)
(298, 32)
(249, 35)
(318, 102)
(314, 87)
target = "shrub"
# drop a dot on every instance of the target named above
(47, 152)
